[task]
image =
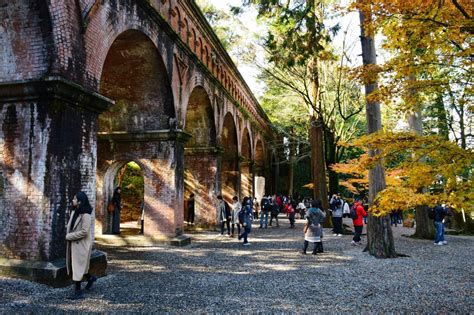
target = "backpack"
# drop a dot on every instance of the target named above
(431, 213)
(353, 212)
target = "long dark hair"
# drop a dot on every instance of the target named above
(317, 204)
(83, 203)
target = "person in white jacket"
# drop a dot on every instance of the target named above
(236, 207)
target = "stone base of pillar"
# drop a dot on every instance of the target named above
(141, 240)
(52, 273)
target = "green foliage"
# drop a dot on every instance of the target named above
(131, 182)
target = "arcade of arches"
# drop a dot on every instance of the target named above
(115, 82)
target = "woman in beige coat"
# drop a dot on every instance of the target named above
(79, 243)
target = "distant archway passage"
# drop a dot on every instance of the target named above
(200, 161)
(127, 176)
(230, 159)
(136, 129)
(260, 176)
(246, 165)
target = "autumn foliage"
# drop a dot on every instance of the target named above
(421, 170)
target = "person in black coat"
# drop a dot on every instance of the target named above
(117, 202)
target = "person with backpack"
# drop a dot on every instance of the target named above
(223, 211)
(265, 204)
(245, 218)
(237, 207)
(357, 215)
(274, 211)
(313, 232)
(439, 214)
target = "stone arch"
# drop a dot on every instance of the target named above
(200, 162)
(193, 40)
(246, 178)
(102, 32)
(176, 19)
(199, 48)
(229, 164)
(105, 192)
(135, 77)
(185, 32)
(199, 120)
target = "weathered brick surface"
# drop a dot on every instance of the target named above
(26, 43)
(164, 68)
(48, 154)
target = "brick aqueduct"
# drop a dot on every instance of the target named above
(89, 85)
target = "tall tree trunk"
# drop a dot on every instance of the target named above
(316, 132)
(379, 233)
(331, 159)
(317, 166)
(424, 225)
(291, 171)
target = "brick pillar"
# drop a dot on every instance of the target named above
(201, 179)
(47, 154)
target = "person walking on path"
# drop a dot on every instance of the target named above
(265, 204)
(357, 219)
(117, 202)
(79, 244)
(336, 206)
(440, 213)
(255, 208)
(274, 211)
(245, 219)
(237, 207)
(313, 232)
(191, 209)
(290, 212)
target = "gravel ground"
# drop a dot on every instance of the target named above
(218, 275)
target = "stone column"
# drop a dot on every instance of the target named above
(47, 154)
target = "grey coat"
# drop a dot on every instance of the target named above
(314, 218)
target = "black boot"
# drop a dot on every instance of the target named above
(305, 247)
(90, 281)
(77, 292)
(320, 249)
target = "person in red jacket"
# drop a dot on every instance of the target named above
(358, 222)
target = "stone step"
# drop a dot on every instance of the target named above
(124, 239)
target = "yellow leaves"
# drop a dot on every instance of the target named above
(397, 198)
(421, 170)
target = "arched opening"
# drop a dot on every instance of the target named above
(125, 208)
(230, 159)
(135, 77)
(246, 180)
(259, 170)
(200, 162)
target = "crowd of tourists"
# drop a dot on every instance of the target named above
(235, 221)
